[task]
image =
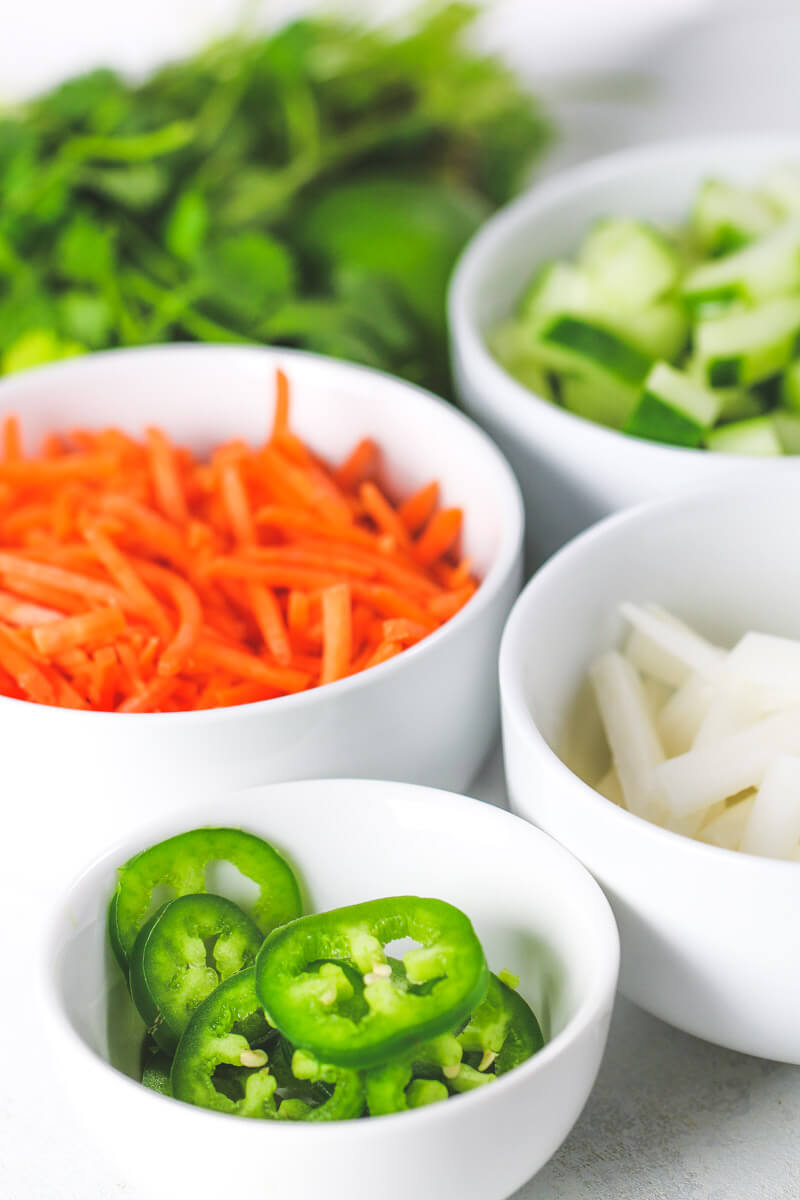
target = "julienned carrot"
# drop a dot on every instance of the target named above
(337, 632)
(135, 578)
(101, 626)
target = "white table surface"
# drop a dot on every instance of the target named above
(671, 1118)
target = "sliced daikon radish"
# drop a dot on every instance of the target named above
(610, 787)
(657, 695)
(683, 714)
(632, 738)
(732, 708)
(773, 827)
(665, 649)
(727, 828)
(766, 662)
(701, 777)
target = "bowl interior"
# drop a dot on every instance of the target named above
(203, 395)
(656, 184)
(536, 910)
(720, 559)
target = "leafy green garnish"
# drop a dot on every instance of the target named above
(310, 188)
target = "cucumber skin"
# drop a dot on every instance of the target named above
(656, 421)
(600, 347)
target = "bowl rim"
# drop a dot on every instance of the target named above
(555, 573)
(519, 402)
(497, 468)
(600, 991)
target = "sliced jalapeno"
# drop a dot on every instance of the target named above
(303, 981)
(502, 1033)
(396, 1086)
(181, 954)
(223, 1063)
(179, 863)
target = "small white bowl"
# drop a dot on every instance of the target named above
(428, 716)
(709, 936)
(536, 911)
(573, 471)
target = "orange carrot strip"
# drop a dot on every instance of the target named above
(361, 464)
(66, 695)
(418, 509)
(298, 521)
(160, 537)
(337, 632)
(385, 651)
(273, 574)
(102, 625)
(390, 603)
(125, 575)
(297, 612)
(18, 567)
(400, 629)
(439, 535)
(151, 697)
(63, 602)
(43, 471)
(11, 439)
(237, 506)
(23, 613)
(247, 666)
(165, 476)
(447, 605)
(281, 419)
(190, 615)
(30, 678)
(383, 514)
(270, 621)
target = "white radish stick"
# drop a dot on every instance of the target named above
(727, 828)
(732, 708)
(610, 787)
(728, 765)
(773, 827)
(665, 649)
(632, 738)
(657, 695)
(683, 714)
(765, 662)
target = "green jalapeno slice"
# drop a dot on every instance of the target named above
(304, 979)
(179, 864)
(180, 956)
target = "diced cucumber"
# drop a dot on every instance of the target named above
(787, 427)
(571, 343)
(726, 217)
(513, 346)
(735, 404)
(629, 263)
(673, 408)
(768, 267)
(595, 400)
(556, 287)
(756, 437)
(790, 386)
(746, 347)
(661, 331)
(782, 188)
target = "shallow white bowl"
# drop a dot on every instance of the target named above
(428, 716)
(573, 471)
(709, 936)
(536, 911)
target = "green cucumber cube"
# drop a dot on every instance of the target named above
(673, 408)
(755, 437)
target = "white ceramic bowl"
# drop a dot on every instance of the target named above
(428, 716)
(573, 471)
(709, 936)
(536, 911)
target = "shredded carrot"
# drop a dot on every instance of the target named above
(418, 509)
(136, 578)
(438, 535)
(92, 628)
(337, 632)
